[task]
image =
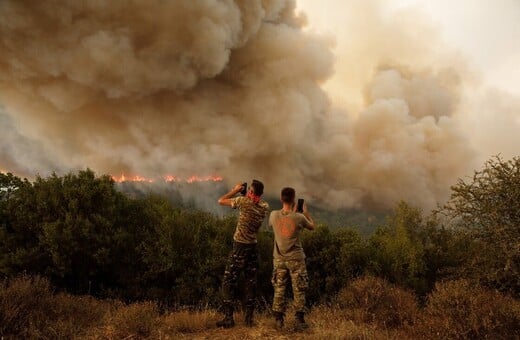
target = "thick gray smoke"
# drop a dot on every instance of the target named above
(224, 87)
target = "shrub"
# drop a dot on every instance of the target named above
(373, 300)
(29, 309)
(24, 303)
(136, 320)
(487, 208)
(71, 316)
(461, 310)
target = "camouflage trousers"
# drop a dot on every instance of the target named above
(243, 257)
(297, 272)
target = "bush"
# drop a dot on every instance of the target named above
(72, 316)
(487, 208)
(373, 300)
(24, 303)
(460, 310)
(29, 309)
(138, 320)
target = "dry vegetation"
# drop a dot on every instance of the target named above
(369, 308)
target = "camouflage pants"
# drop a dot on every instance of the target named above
(282, 271)
(243, 257)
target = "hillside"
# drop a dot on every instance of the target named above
(204, 195)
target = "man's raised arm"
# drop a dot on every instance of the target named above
(227, 199)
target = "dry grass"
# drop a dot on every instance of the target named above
(460, 310)
(375, 301)
(30, 309)
(138, 320)
(324, 323)
(367, 309)
(188, 321)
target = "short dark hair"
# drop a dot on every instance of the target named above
(258, 187)
(288, 195)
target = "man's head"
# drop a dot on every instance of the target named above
(257, 187)
(288, 195)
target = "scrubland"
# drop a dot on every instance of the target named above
(368, 308)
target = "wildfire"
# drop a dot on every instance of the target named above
(167, 178)
(136, 178)
(192, 179)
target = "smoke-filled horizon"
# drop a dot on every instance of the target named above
(235, 89)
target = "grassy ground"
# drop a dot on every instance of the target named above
(323, 324)
(369, 308)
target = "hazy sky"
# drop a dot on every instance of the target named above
(486, 32)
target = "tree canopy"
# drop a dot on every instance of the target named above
(487, 208)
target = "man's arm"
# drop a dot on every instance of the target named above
(310, 224)
(227, 199)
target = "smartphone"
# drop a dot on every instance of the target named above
(299, 207)
(244, 189)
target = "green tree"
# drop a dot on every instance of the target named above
(487, 209)
(353, 255)
(184, 253)
(78, 214)
(397, 250)
(20, 248)
(333, 258)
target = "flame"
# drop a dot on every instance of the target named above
(167, 178)
(171, 178)
(135, 178)
(192, 179)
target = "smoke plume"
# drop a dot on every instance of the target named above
(233, 88)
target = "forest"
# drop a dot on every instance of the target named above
(86, 238)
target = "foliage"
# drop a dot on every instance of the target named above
(397, 250)
(87, 237)
(373, 300)
(137, 320)
(332, 258)
(30, 309)
(487, 209)
(367, 308)
(461, 310)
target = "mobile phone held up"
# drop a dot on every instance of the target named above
(299, 206)
(243, 192)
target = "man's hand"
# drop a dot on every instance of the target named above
(306, 213)
(227, 198)
(237, 188)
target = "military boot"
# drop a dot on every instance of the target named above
(300, 321)
(278, 319)
(228, 321)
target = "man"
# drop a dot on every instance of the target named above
(288, 256)
(252, 212)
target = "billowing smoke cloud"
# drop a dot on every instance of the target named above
(225, 87)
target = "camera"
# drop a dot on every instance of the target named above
(244, 189)
(299, 206)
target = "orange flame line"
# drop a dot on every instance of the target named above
(167, 178)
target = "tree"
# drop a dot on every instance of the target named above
(9, 184)
(20, 248)
(487, 209)
(398, 249)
